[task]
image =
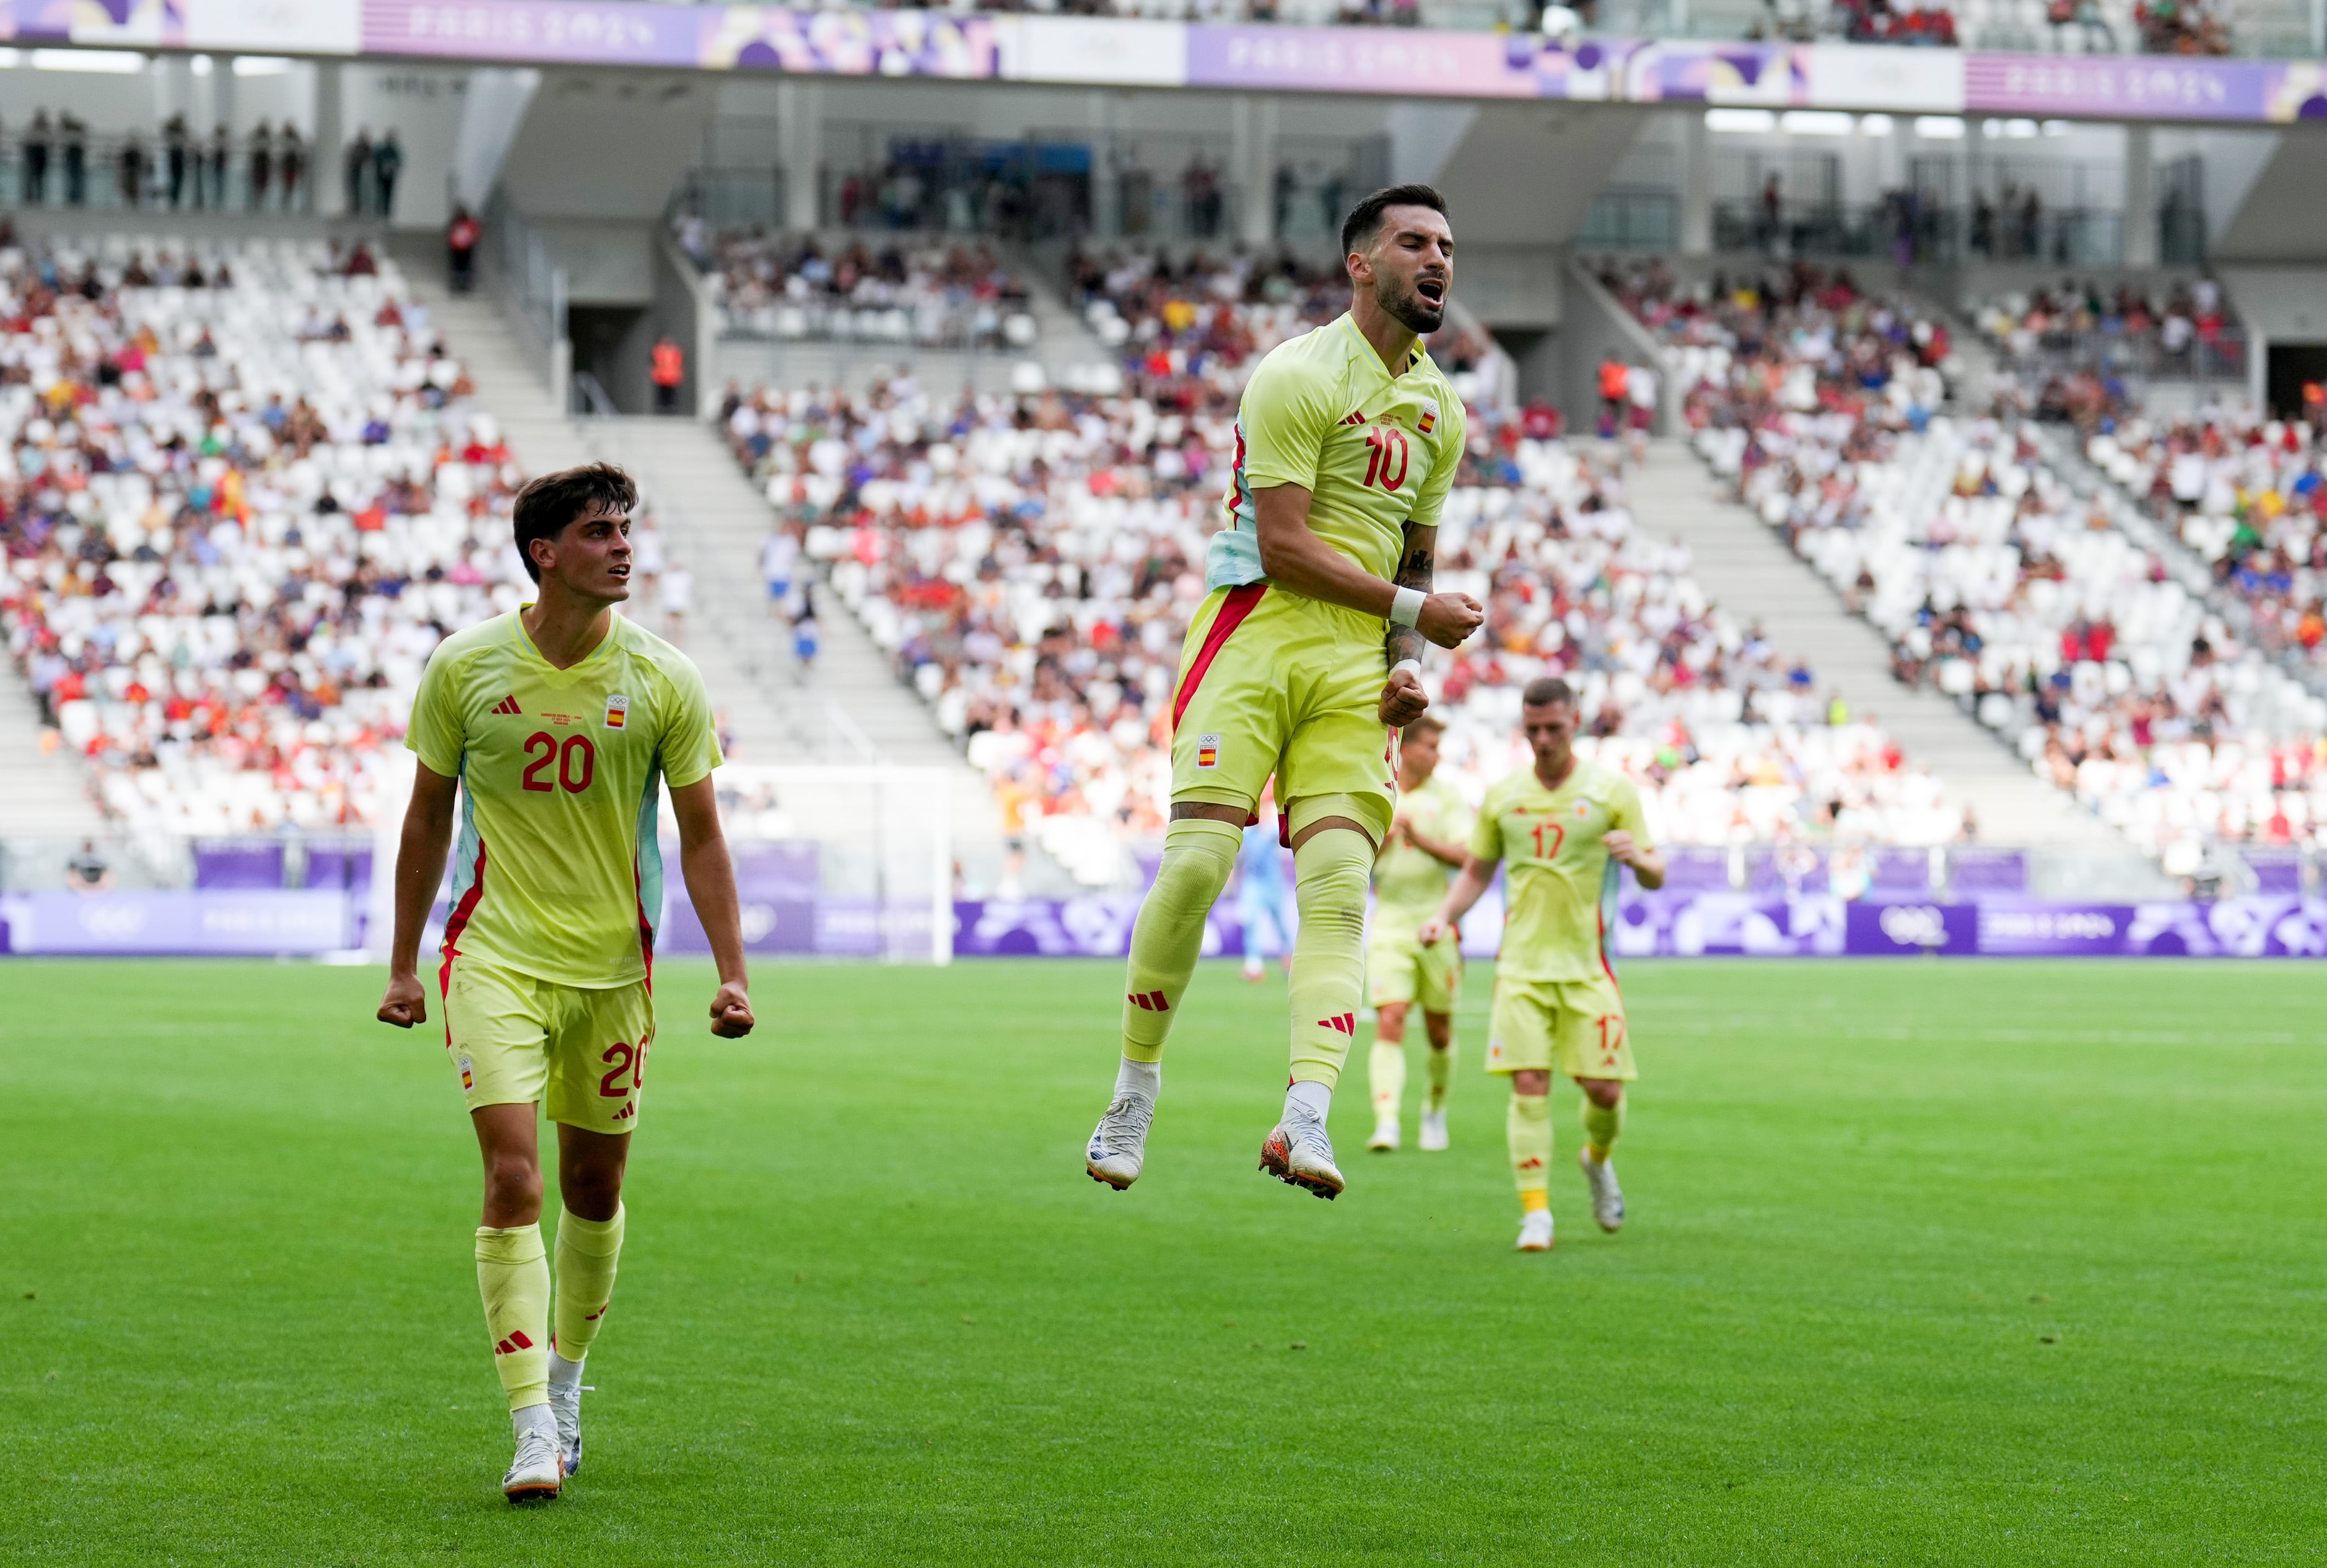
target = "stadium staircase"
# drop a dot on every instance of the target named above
(1758, 579)
(47, 792)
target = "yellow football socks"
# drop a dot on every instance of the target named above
(1331, 872)
(1440, 1066)
(1387, 1072)
(1601, 1127)
(1528, 1126)
(588, 1251)
(1167, 938)
(513, 1276)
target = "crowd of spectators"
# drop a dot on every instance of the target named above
(1031, 561)
(2076, 346)
(242, 495)
(1994, 583)
(796, 286)
(2245, 494)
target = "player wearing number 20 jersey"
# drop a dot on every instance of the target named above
(557, 874)
(552, 730)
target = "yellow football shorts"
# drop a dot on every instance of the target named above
(1574, 1025)
(518, 1040)
(1400, 969)
(1274, 683)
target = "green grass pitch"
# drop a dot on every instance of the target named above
(1944, 1263)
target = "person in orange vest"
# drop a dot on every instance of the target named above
(669, 371)
(1614, 376)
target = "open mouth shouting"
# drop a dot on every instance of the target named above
(1431, 289)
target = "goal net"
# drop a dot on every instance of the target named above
(846, 860)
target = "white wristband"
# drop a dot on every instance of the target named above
(1406, 609)
(1413, 664)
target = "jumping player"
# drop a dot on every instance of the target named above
(1425, 845)
(1560, 829)
(1308, 646)
(558, 723)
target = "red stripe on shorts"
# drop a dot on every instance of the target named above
(1233, 609)
(454, 924)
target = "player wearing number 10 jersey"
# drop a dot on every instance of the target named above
(1559, 829)
(560, 721)
(1303, 660)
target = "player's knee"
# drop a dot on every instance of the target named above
(512, 1183)
(1333, 886)
(1199, 854)
(1440, 1028)
(1602, 1092)
(1389, 1020)
(1531, 1082)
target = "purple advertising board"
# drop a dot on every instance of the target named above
(1124, 51)
(210, 923)
(843, 42)
(785, 916)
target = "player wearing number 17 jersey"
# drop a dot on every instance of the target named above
(1560, 829)
(1303, 661)
(559, 722)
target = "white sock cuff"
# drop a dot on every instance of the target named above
(563, 1371)
(533, 1418)
(1314, 1098)
(1138, 1077)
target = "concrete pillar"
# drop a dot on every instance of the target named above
(172, 79)
(1695, 184)
(1106, 214)
(329, 191)
(223, 94)
(2140, 196)
(1253, 157)
(800, 151)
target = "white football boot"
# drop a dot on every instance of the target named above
(1384, 1140)
(1118, 1145)
(1607, 1198)
(1534, 1230)
(1433, 1140)
(565, 1406)
(536, 1473)
(1298, 1153)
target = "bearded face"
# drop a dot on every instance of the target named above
(1413, 266)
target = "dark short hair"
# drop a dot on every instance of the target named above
(1365, 220)
(1547, 691)
(546, 505)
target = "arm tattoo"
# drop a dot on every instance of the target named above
(1414, 571)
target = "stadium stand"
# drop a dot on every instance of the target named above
(2244, 493)
(1992, 583)
(800, 286)
(247, 495)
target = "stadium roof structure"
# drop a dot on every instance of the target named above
(1130, 53)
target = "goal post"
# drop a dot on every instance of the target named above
(841, 860)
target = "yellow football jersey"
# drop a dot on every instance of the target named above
(1559, 883)
(1375, 452)
(557, 872)
(1409, 885)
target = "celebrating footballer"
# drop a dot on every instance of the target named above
(556, 725)
(1560, 829)
(1303, 663)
